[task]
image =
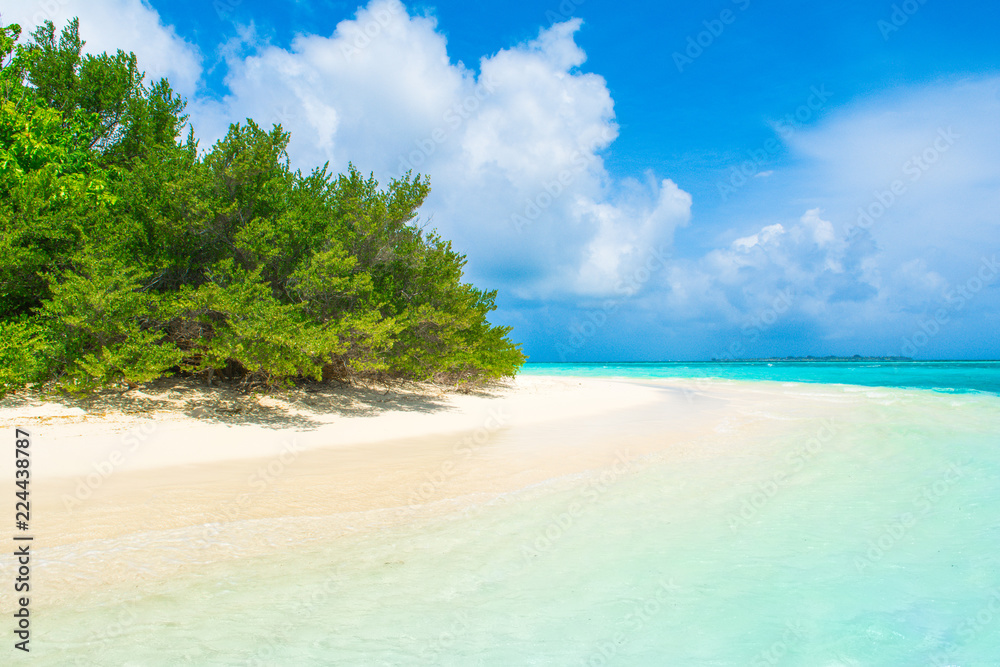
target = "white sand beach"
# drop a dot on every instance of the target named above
(173, 457)
(151, 503)
(172, 464)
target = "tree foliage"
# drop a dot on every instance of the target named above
(127, 254)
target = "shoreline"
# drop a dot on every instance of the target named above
(107, 475)
(115, 492)
(177, 513)
(166, 426)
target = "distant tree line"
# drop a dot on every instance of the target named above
(126, 254)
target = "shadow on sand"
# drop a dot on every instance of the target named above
(304, 407)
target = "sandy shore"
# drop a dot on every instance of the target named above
(123, 486)
(149, 505)
(174, 424)
(136, 487)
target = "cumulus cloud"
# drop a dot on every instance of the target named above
(804, 258)
(629, 235)
(893, 195)
(514, 149)
(364, 93)
(109, 25)
(513, 146)
(910, 188)
(917, 168)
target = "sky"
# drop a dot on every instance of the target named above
(640, 181)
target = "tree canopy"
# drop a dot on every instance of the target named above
(128, 254)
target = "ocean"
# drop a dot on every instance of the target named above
(946, 376)
(830, 514)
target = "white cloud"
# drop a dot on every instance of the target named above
(803, 257)
(766, 236)
(514, 147)
(513, 150)
(820, 230)
(873, 281)
(109, 25)
(937, 143)
(629, 235)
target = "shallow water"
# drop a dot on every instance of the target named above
(850, 526)
(945, 376)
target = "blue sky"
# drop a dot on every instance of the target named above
(642, 181)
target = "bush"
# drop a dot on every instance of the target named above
(128, 254)
(105, 329)
(23, 353)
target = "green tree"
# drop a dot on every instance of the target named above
(128, 254)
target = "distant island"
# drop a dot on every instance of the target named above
(856, 357)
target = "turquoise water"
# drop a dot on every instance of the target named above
(956, 376)
(821, 524)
